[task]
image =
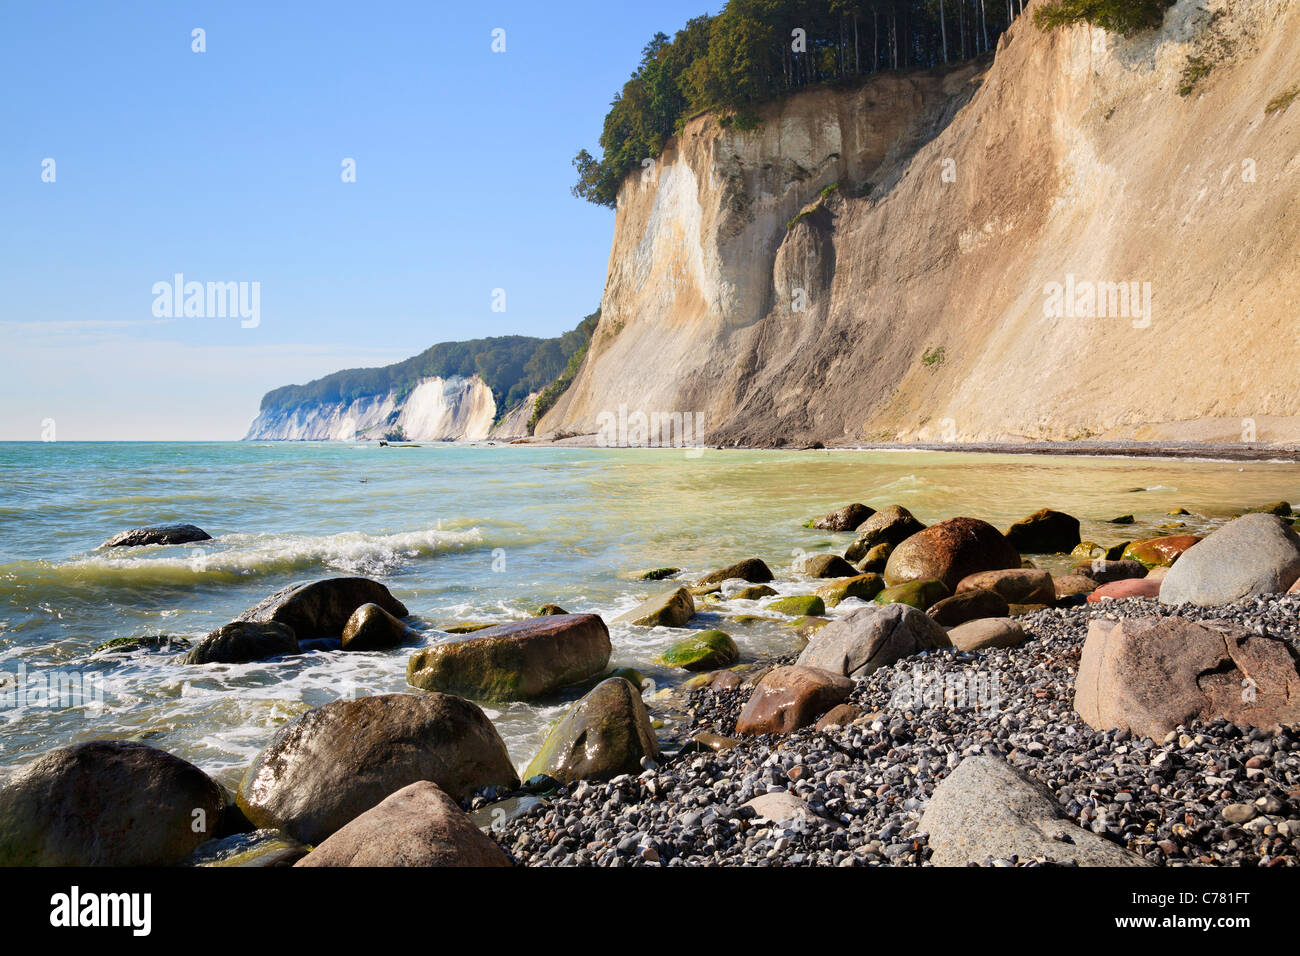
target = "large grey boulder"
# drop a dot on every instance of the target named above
(107, 803)
(872, 637)
(986, 808)
(418, 825)
(336, 762)
(1255, 554)
(1149, 675)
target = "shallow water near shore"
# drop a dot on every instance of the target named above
(480, 533)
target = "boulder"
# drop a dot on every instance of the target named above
(872, 637)
(654, 574)
(1017, 585)
(949, 551)
(335, 762)
(256, 849)
(968, 605)
(824, 566)
(107, 803)
(322, 608)
(1073, 586)
(783, 807)
(703, 651)
(862, 586)
(1044, 532)
(673, 609)
(418, 825)
(159, 534)
(1154, 552)
(1105, 571)
(985, 633)
(798, 605)
(986, 808)
(841, 715)
(516, 661)
(546, 610)
(752, 570)
(242, 642)
(754, 592)
(892, 525)
(876, 558)
(844, 519)
(1253, 555)
(1280, 508)
(918, 594)
(603, 735)
(371, 628)
(1149, 675)
(1128, 588)
(788, 698)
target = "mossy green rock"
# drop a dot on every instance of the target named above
(754, 592)
(918, 594)
(465, 627)
(629, 674)
(799, 605)
(605, 734)
(876, 558)
(658, 574)
(863, 586)
(260, 848)
(154, 642)
(516, 661)
(673, 609)
(705, 651)
(546, 610)
(1088, 549)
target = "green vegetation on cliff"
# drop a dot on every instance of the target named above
(1117, 16)
(757, 50)
(513, 366)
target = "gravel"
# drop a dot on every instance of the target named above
(1211, 793)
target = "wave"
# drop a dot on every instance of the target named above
(234, 557)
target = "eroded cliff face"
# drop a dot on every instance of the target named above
(437, 409)
(949, 300)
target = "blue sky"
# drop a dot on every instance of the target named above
(226, 165)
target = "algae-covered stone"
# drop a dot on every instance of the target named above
(876, 558)
(918, 594)
(466, 627)
(153, 642)
(754, 592)
(658, 574)
(753, 570)
(1160, 552)
(862, 586)
(673, 609)
(259, 848)
(516, 661)
(605, 734)
(1088, 550)
(629, 674)
(546, 610)
(798, 605)
(704, 651)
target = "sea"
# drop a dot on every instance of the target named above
(458, 533)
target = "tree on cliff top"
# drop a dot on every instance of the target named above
(1117, 16)
(754, 51)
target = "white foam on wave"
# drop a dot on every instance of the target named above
(234, 556)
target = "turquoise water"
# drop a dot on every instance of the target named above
(458, 533)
